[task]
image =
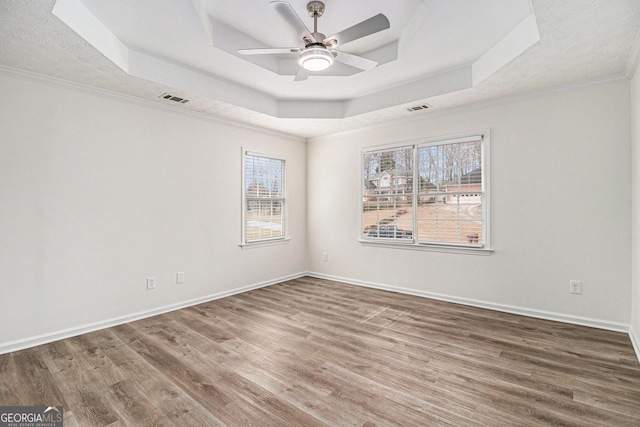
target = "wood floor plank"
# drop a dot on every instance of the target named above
(317, 352)
(134, 407)
(31, 368)
(83, 389)
(103, 367)
(173, 403)
(276, 376)
(10, 389)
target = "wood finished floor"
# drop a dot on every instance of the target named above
(315, 352)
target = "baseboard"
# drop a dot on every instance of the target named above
(558, 317)
(635, 342)
(539, 314)
(72, 332)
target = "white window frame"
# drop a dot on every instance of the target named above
(265, 241)
(414, 244)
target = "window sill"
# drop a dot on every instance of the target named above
(430, 248)
(264, 243)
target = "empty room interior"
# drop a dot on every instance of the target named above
(332, 213)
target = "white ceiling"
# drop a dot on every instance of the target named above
(445, 53)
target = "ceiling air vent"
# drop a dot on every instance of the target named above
(174, 98)
(418, 108)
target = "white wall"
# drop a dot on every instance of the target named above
(635, 187)
(561, 207)
(98, 192)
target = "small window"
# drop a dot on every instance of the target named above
(264, 198)
(439, 197)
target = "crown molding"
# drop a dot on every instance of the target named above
(58, 82)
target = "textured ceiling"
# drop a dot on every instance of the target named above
(580, 41)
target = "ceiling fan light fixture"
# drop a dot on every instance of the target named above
(315, 59)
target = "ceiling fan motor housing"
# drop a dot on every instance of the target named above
(319, 37)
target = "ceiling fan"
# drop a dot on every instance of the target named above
(319, 52)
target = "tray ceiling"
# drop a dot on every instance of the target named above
(443, 54)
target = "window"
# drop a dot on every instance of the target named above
(264, 202)
(427, 194)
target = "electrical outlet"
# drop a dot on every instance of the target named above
(325, 256)
(151, 283)
(180, 278)
(575, 286)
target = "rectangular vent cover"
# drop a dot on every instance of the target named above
(174, 98)
(418, 108)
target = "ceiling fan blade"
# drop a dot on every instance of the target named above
(365, 28)
(269, 51)
(302, 75)
(285, 10)
(354, 60)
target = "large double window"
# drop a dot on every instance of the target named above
(433, 193)
(264, 210)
